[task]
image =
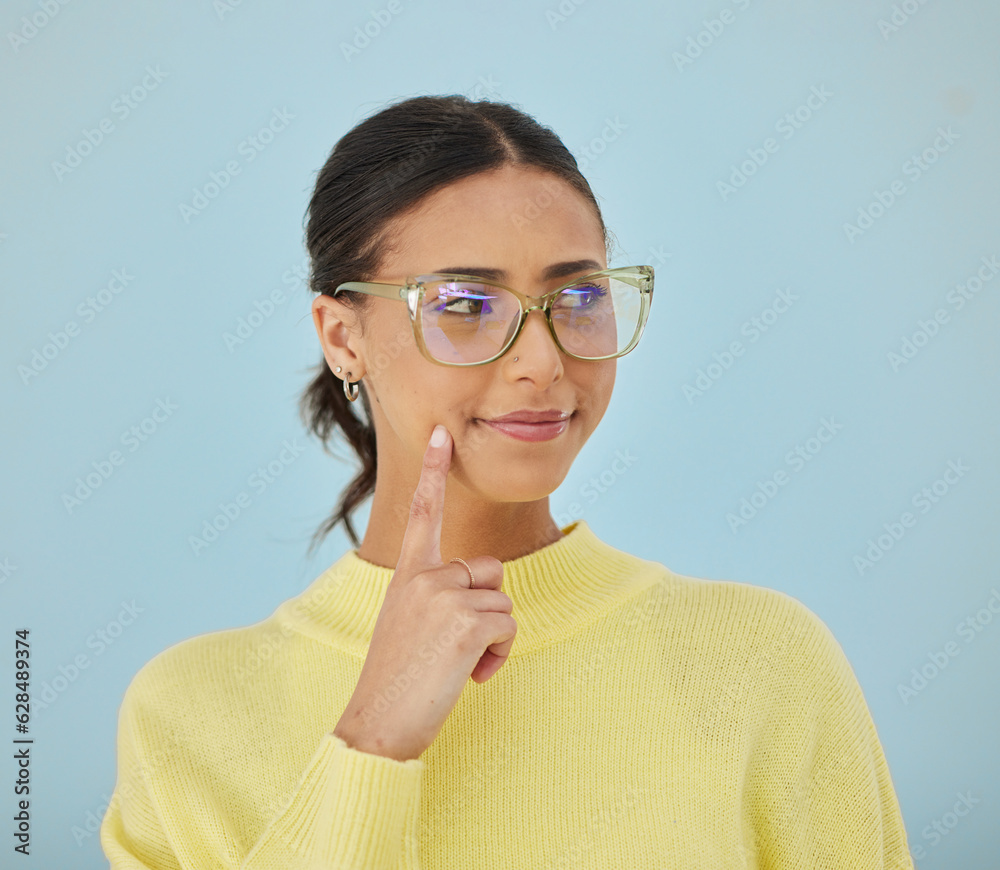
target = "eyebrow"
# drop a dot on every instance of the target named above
(556, 270)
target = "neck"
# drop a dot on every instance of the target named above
(555, 590)
(504, 530)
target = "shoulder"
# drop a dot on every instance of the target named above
(755, 649)
(766, 629)
(203, 669)
(740, 605)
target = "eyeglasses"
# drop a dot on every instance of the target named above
(462, 320)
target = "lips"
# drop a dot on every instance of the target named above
(531, 425)
(552, 415)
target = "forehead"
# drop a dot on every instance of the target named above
(516, 218)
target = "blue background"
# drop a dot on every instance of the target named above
(659, 111)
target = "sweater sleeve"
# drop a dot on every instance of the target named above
(819, 792)
(349, 809)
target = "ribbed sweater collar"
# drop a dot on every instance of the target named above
(555, 591)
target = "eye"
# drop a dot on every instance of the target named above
(473, 300)
(581, 296)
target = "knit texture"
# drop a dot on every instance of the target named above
(644, 719)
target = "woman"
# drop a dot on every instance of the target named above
(618, 714)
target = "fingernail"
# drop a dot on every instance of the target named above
(438, 436)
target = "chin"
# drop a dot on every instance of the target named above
(514, 481)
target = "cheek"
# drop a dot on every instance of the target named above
(400, 388)
(414, 394)
(390, 354)
(387, 347)
(598, 381)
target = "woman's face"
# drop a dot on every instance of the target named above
(518, 220)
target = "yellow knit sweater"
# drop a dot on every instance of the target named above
(644, 720)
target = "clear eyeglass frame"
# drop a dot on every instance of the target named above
(412, 293)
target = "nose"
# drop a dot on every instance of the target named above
(535, 341)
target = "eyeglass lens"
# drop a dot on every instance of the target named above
(466, 322)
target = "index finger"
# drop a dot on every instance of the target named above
(421, 547)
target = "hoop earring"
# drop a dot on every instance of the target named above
(350, 390)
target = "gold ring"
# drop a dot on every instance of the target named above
(471, 576)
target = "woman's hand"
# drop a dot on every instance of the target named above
(432, 633)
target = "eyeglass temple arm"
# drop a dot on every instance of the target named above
(386, 291)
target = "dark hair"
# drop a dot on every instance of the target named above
(378, 170)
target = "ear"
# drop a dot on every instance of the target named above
(339, 335)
